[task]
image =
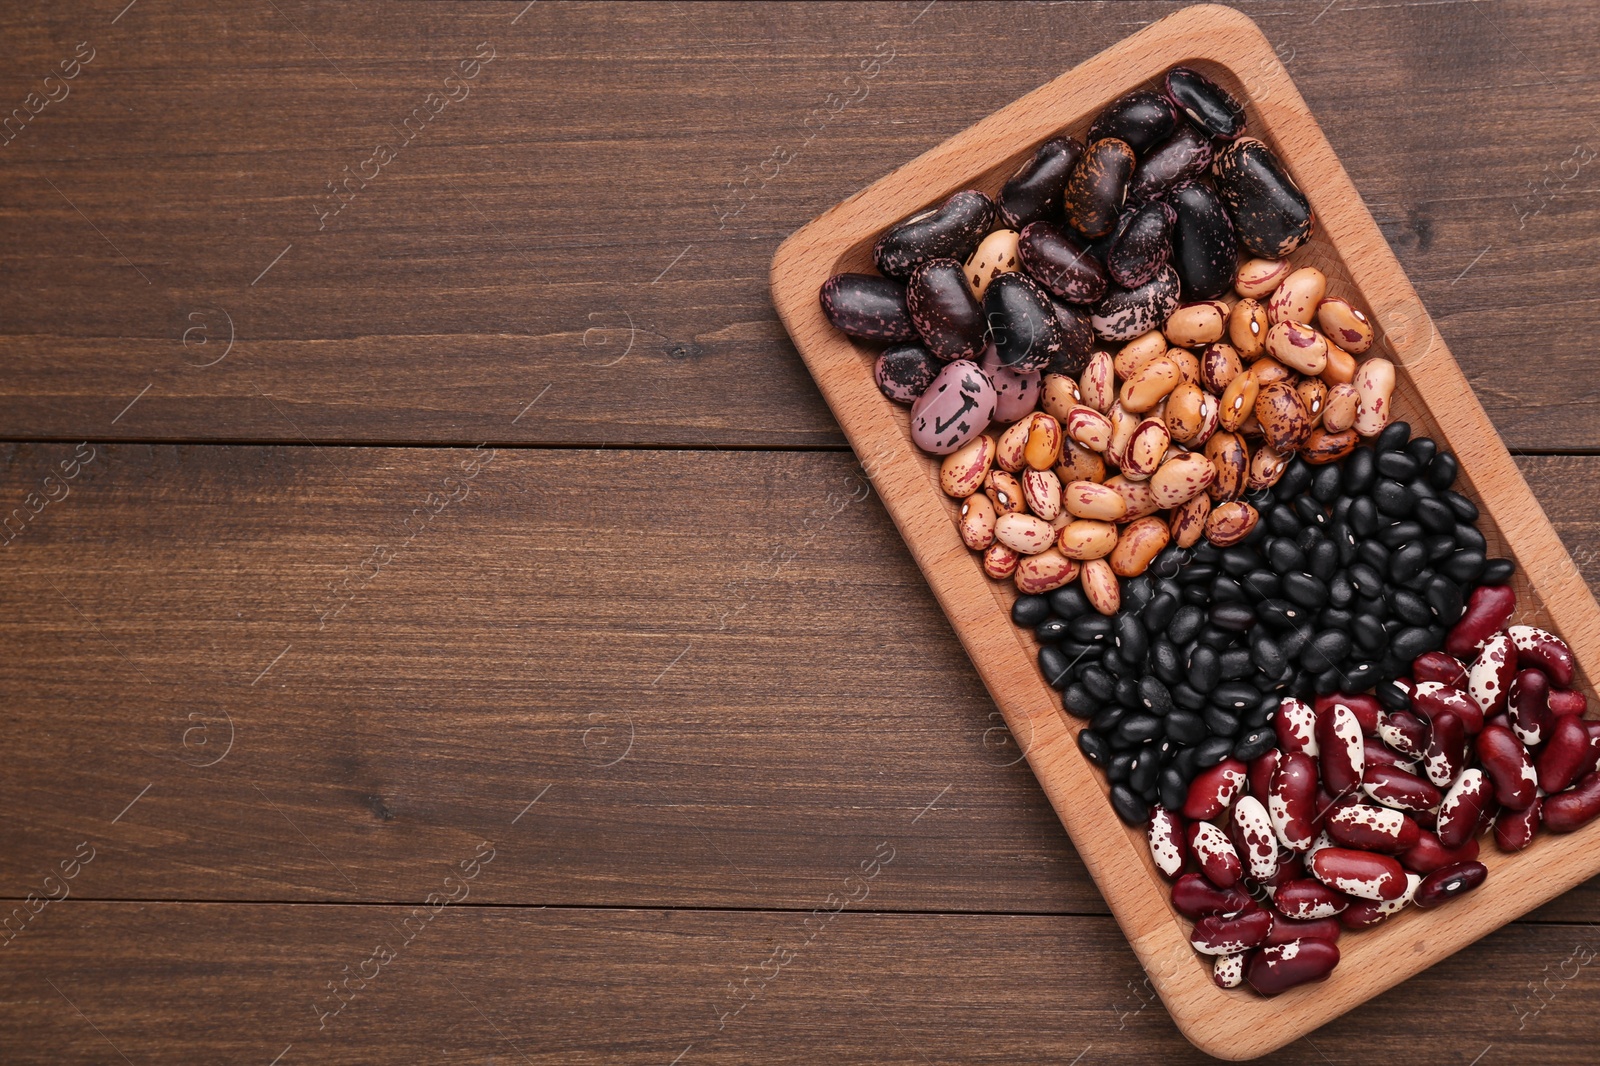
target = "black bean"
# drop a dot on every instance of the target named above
(1262, 584)
(1091, 627)
(1217, 637)
(1409, 607)
(1136, 592)
(1285, 555)
(1120, 743)
(1094, 747)
(1469, 537)
(1030, 610)
(1129, 807)
(1444, 600)
(1206, 553)
(1186, 624)
(1196, 595)
(1398, 465)
(1106, 719)
(1421, 489)
(1132, 643)
(1057, 668)
(1359, 470)
(1077, 649)
(1498, 571)
(1211, 751)
(1097, 682)
(1367, 631)
(1442, 471)
(1327, 649)
(1410, 642)
(1335, 618)
(1158, 613)
(1068, 602)
(1330, 680)
(1146, 766)
(1266, 654)
(1128, 692)
(1392, 697)
(1255, 744)
(1188, 697)
(1282, 521)
(1436, 515)
(1236, 664)
(1360, 677)
(1305, 590)
(1341, 507)
(1297, 477)
(1234, 695)
(1465, 509)
(1308, 539)
(1422, 449)
(1323, 560)
(1310, 512)
(1050, 631)
(1400, 533)
(1167, 562)
(1363, 516)
(1343, 539)
(1407, 562)
(1341, 590)
(1238, 561)
(1393, 437)
(1185, 727)
(1373, 605)
(1237, 617)
(1165, 661)
(1221, 723)
(1172, 788)
(1140, 727)
(1079, 701)
(1205, 668)
(1327, 482)
(1154, 695)
(1393, 499)
(1279, 614)
(1439, 546)
(1225, 589)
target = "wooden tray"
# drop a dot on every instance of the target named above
(1432, 394)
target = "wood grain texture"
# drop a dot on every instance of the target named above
(520, 985)
(486, 263)
(1431, 393)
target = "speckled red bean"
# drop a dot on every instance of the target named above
(1405, 733)
(1515, 830)
(1280, 967)
(1364, 913)
(1463, 806)
(1287, 929)
(1447, 750)
(1292, 799)
(1434, 698)
(1366, 708)
(1448, 882)
(1168, 844)
(1488, 610)
(1400, 789)
(1215, 854)
(1363, 874)
(1213, 790)
(1342, 753)
(1528, 707)
(1439, 666)
(1509, 767)
(1542, 649)
(1262, 767)
(1368, 828)
(1296, 726)
(1489, 679)
(1427, 854)
(1194, 897)
(1563, 755)
(1574, 808)
(1228, 970)
(1224, 934)
(1308, 900)
(1257, 843)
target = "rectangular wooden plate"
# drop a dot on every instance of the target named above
(1432, 394)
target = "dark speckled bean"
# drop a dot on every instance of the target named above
(1209, 106)
(868, 307)
(1203, 250)
(1097, 187)
(1126, 313)
(1271, 214)
(944, 310)
(950, 230)
(1184, 155)
(1060, 264)
(1142, 246)
(1077, 336)
(1022, 322)
(905, 371)
(1141, 119)
(1034, 192)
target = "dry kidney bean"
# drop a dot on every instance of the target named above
(1397, 788)
(952, 229)
(1022, 322)
(1515, 830)
(1215, 854)
(1363, 874)
(942, 307)
(1141, 119)
(1184, 155)
(1016, 392)
(868, 307)
(1168, 842)
(995, 254)
(956, 407)
(1270, 212)
(1203, 250)
(1489, 679)
(1528, 707)
(1127, 313)
(1034, 191)
(904, 372)
(1564, 755)
(1221, 934)
(1463, 807)
(1211, 109)
(1574, 808)
(1060, 264)
(1097, 187)
(1544, 651)
(1368, 828)
(1142, 245)
(1448, 882)
(1345, 325)
(1279, 967)
(1043, 572)
(1428, 855)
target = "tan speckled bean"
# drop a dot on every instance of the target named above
(1150, 385)
(1024, 534)
(1085, 499)
(976, 522)
(1059, 396)
(1345, 325)
(1298, 347)
(1044, 441)
(1146, 448)
(1192, 325)
(1086, 538)
(1004, 491)
(1139, 353)
(1266, 467)
(961, 473)
(1238, 401)
(1341, 368)
(995, 254)
(1374, 382)
(1182, 478)
(1089, 428)
(1009, 453)
(1229, 455)
(1247, 328)
(1339, 413)
(1045, 571)
(1297, 297)
(1188, 521)
(1100, 586)
(1258, 277)
(1098, 386)
(1078, 463)
(1139, 543)
(1219, 365)
(1231, 522)
(1041, 489)
(1000, 562)
(1136, 494)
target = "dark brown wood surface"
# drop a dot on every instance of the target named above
(284, 678)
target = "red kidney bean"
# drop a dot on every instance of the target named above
(1261, 768)
(1491, 811)
(1168, 841)
(1593, 762)
(1215, 854)
(1489, 679)
(1515, 830)
(1427, 854)
(1434, 698)
(1306, 899)
(1224, 934)
(1509, 767)
(1544, 650)
(1291, 800)
(1439, 666)
(1367, 709)
(1213, 790)
(1368, 912)
(1405, 733)
(1228, 971)
(1563, 755)
(1448, 882)
(1528, 707)
(1296, 726)
(1447, 750)
(1365, 874)
(1339, 738)
(1195, 897)
(1280, 967)
(1368, 828)
(1289, 868)
(1569, 701)
(1287, 929)
(1400, 789)
(1463, 805)
(1574, 808)
(1257, 842)
(1488, 610)
(1375, 753)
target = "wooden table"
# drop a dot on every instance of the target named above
(442, 621)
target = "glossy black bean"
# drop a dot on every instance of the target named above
(1279, 614)
(1209, 107)
(1310, 512)
(1234, 696)
(1497, 571)
(1141, 119)
(1203, 250)
(1407, 562)
(1029, 611)
(1340, 508)
(1159, 612)
(1444, 599)
(868, 307)
(1068, 602)
(1266, 654)
(1197, 595)
(1225, 589)
(1343, 538)
(1220, 722)
(1132, 642)
(1422, 490)
(1392, 697)
(1262, 712)
(1411, 642)
(1130, 807)
(1173, 787)
(1297, 478)
(1206, 553)
(1398, 533)
(1238, 561)
(1184, 155)
(1090, 627)
(1365, 578)
(1079, 701)
(1327, 483)
(1398, 465)
(1281, 521)
(1327, 648)
(1363, 517)
(1285, 555)
(1077, 340)
(950, 230)
(1212, 750)
(1303, 589)
(1322, 561)
(1422, 449)
(1058, 262)
(1335, 618)
(1419, 581)
(1360, 677)
(1186, 624)
(1187, 696)
(1439, 546)
(1127, 691)
(1469, 538)
(1408, 606)
(1094, 747)
(1464, 567)
(1057, 668)
(1140, 727)
(1136, 592)
(942, 307)
(1022, 322)
(1261, 584)
(1146, 768)
(1098, 186)
(1271, 214)
(1050, 631)
(1142, 245)
(1341, 591)
(1367, 632)
(1154, 696)
(1330, 680)
(1120, 767)
(1098, 682)
(1107, 718)
(1198, 572)
(1254, 744)
(1233, 616)
(1393, 438)
(1236, 664)
(1217, 638)
(1443, 470)
(1034, 191)
(1393, 499)
(1167, 562)
(1166, 661)
(1205, 668)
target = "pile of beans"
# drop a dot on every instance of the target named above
(1368, 806)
